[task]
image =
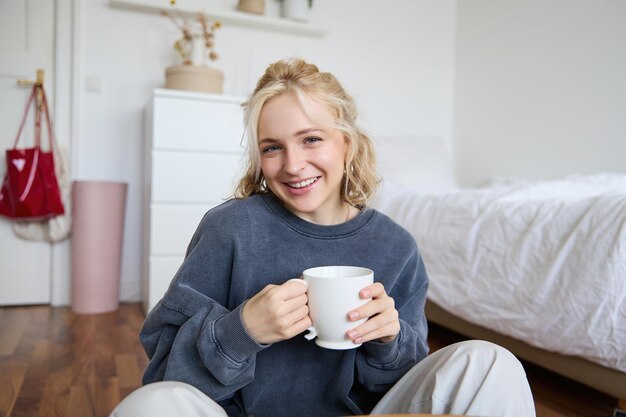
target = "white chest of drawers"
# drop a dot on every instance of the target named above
(192, 159)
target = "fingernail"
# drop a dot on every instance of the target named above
(358, 340)
(351, 334)
(365, 294)
(354, 315)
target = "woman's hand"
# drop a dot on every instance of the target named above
(277, 312)
(383, 324)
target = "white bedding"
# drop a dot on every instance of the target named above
(544, 262)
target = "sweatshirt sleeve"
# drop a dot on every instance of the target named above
(380, 365)
(190, 335)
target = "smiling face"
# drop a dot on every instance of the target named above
(302, 159)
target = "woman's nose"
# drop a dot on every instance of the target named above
(295, 161)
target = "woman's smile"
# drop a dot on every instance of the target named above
(300, 188)
(303, 183)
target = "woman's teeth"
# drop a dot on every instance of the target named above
(302, 184)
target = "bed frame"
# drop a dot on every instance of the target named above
(607, 380)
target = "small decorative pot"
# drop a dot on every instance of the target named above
(251, 6)
(195, 78)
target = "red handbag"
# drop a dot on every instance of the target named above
(30, 190)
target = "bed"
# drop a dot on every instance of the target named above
(536, 266)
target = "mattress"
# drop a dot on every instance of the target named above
(542, 261)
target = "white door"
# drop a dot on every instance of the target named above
(26, 44)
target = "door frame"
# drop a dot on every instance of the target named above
(67, 76)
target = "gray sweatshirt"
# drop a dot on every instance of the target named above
(195, 334)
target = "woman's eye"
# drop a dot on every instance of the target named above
(312, 139)
(270, 149)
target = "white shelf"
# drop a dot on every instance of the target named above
(227, 17)
(193, 95)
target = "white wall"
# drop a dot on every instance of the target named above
(395, 57)
(540, 88)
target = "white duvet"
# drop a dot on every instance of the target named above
(544, 262)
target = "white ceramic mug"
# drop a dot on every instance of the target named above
(333, 291)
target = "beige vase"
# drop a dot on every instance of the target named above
(251, 6)
(198, 78)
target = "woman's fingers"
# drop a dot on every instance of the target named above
(296, 311)
(375, 306)
(376, 290)
(379, 326)
(383, 323)
(288, 290)
(383, 334)
(276, 312)
(303, 320)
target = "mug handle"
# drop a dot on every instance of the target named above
(312, 333)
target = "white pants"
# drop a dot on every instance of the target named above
(468, 378)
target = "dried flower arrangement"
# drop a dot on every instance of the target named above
(190, 32)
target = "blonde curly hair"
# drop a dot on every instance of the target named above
(305, 81)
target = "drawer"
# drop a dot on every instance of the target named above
(185, 177)
(162, 271)
(172, 226)
(197, 125)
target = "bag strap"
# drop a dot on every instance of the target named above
(38, 105)
(60, 165)
(44, 100)
(38, 110)
(28, 103)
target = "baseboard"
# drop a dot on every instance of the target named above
(130, 291)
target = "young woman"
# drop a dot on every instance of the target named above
(227, 337)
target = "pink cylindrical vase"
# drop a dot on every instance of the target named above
(98, 208)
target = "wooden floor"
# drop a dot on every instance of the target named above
(55, 363)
